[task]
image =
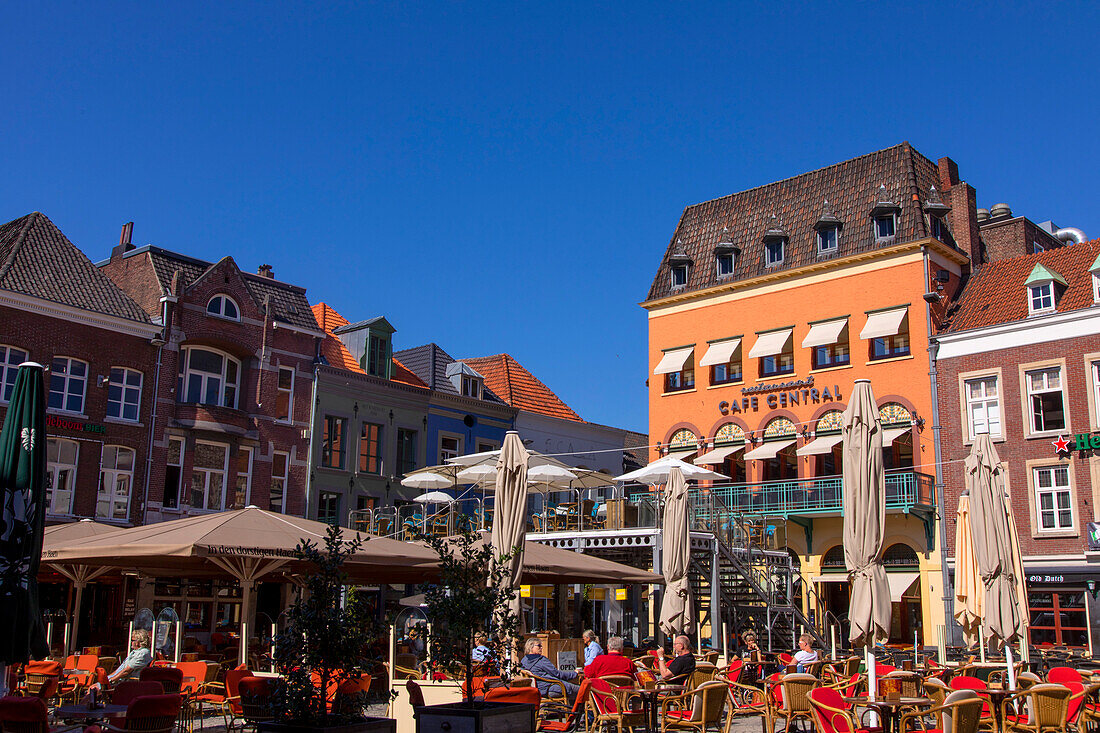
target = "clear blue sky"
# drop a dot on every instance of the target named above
(505, 176)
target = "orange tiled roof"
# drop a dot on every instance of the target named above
(996, 292)
(507, 378)
(338, 355)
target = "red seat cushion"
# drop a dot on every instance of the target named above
(679, 714)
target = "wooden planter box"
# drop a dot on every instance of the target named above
(488, 717)
(370, 725)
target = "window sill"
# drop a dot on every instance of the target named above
(726, 384)
(227, 319)
(889, 359)
(1046, 434)
(832, 368)
(122, 421)
(678, 391)
(776, 377)
(331, 469)
(995, 439)
(1055, 534)
(65, 413)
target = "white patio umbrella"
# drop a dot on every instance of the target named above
(427, 480)
(658, 472)
(434, 497)
(477, 474)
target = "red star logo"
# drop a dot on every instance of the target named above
(1061, 445)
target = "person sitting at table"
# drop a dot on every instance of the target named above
(682, 665)
(750, 649)
(481, 652)
(613, 662)
(138, 659)
(537, 664)
(592, 647)
(806, 654)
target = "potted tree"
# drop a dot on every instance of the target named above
(324, 647)
(464, 603)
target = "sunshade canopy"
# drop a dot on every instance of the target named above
(889, 435)
(61, 533)
(682, 454)
(427, 480)
(883, 323)
(969, 590)
(820, 446)
(720, 352)
(768, 450)
(434, 497)
(674, 360)
(718, 455)
(771, 343)
(823, 334)
(677, 603)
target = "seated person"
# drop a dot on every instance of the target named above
(591, 646)
(683, 663)
(138, 659)
(481, 652)
(535, 663)
(806, 654)
(611, 663)
(750, 649)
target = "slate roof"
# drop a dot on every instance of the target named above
(337, 355)
(36, 259)
(509, 380)
(996, 293)
(288, 302)
(851, 189)
(419, 361)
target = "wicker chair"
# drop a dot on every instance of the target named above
(961, 712)
(831, 714)
(41, 680)
(558, 694)
(573, 718)
(255, 700)
(170, 677)
(149, 714)
(1047, 709)
(794, 704)
(607, 705)
(744, 701)
(707, 702)
(704, 672)
(1025, 680)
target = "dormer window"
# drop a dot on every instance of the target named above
(884, 213)
(884, 227)
(678, 263)
(1043, 288)
(466, 380)
(1042, 298)
(774, 251)
(1095, 270)
(471, 387)
(224, 307)
(827, 238)
(724, 264)
(679, 276)
(939, 228)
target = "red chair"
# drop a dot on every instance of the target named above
(80, 674)
(41, 680)
(884, 669)
(978, 685)
(129, 690)
(732, 673)
(831, 714)
(527, 695)
(612, 706)
(785, 659)
(27, 715)
(1063, 675)
(1076, 701)
(575, 716)
(148, 714)
(255, 700)
(223, 696)
(170, 677)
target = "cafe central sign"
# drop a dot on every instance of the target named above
(780, 394)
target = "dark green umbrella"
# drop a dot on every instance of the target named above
(22, 517)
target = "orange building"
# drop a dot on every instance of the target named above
(767, 306)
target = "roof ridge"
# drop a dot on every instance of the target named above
(18, 245)
(507, 376)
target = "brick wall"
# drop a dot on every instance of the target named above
(135, 276)
(1013, 238)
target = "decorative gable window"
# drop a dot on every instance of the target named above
(224, 307)
(466, 380)
(725, 254)
(678, 263)
(1043, 288)
(775, 243)
(828, 230)
(885, 213)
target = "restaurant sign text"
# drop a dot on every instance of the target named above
(780, 394)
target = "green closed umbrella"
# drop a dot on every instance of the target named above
(22, 518)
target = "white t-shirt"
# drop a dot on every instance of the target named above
(801, 657)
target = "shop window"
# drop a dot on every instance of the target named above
(370, 448)
(224, 307)
(1053, 498)
(834, 559)
(284, 398)
(280, 478)
(983, 406)
(173, 474)
(449, 447)
(1058, 618)
(208, 377)
(333, 441)
(68, 380)
(328, 508)
(61, 460)
(900, 555)
(406, 450)
(208, 476)
(116, 480)
(10, 359)
(242, 488)
(1045, 398)
(124, 394)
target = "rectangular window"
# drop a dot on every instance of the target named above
(679, 276)
(1044, 391)
(211, 462)
(173, 474)
(781, 363)
(1053, 499)
(242, 494)
(725, 373)
(378, 357)
(116, 479)
(683, 379)
(124, 394)
(449, 447)
(471, 387)
(328, 508)
(826, 240)
(1096, 390)
(370, 448)
(406, 450)
(61, 458)
(280, 477)
(773, 251)
(284, 398)
(1042, 298)
(939, 229)
(333, 442)
(208, 378)
(837, 353)
(888, 347)
(486, 447)
(68, 378)
(725, 264)
(1058, 618)
(983, 406)
(10, 359)
(884, 227)
(1036, 247)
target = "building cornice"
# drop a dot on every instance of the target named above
(1031, 330)
(40, 306)
(328, 370)
(298, 329)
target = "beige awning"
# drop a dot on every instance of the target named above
(720, 352)
(771, 343)
(822, 334)
(899, 583)
(717, 455)
(818, 446)
(889, 435)
(674, 360)
(883, 323)
(768, 450)
(681, 454)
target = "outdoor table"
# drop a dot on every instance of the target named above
(80, 711)
(652, 705)
(890, 710)
(996, 695)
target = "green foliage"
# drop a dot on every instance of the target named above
(328, 638)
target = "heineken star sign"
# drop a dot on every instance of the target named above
(1080, 442)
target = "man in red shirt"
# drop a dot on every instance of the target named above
(613, 662)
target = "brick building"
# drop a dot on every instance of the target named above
(1020, 360)
(233, 408)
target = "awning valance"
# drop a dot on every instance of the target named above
(720, 352)
(883, 323)
(889, 435)
(823, 334)
(821, 445)
(718, 455)
(768, 450)
(771, 343)
(681, 454)
(674, 360)
(899, 583)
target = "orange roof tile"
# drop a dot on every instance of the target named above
(507, 378)
(333, 349)
(996, 292)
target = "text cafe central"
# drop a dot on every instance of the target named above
(780, 394)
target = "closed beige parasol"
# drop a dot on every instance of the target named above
(677, 604)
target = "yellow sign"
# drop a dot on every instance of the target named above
(525, 591)
(620, 594)
(536, 591)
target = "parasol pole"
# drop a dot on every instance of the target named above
(1011, 668)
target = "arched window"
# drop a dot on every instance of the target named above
(828, 423)
(682, 440)
(208, 377)
(10, 359)
(224, 307)
(900, 555)
(894, 415)
(834, 559)
(116, 481)
(730, 433)
(61, 457)
(780, 427)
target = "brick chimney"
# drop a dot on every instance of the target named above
(124, 241)
(265, 271)
(963, 200)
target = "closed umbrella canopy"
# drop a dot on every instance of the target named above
(22, 518)
(969, 590)
(510, 521)
(677, 604)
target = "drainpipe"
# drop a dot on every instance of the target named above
(312, 433)
(941, 510)
(153, 417)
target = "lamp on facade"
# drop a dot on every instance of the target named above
(391, 417)
(918, 421)
(355, 409)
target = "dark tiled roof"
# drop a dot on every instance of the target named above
(797, 204)
(419, 361)
(36, 259)
(519, 388)
(288, 302)
(996, 294)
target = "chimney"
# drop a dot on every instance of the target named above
(265, 271)
(124, 241)
(949, 173)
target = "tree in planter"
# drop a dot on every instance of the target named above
(328, 633)
(466, 602)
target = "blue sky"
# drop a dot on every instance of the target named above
(505, 177)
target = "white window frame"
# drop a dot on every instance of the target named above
(444, 457)
(893, 217)
(1054, 490)
(470, 387)
(110, 479)
(9, 368)
(1096, 287)
(218, 303)
(285, 391)
(821, 248)
(186, 374)
(719, 258)
(168, 462)
(1092, 362)
(282, 480)
(69, 383)
(129, 394)
(1037, 300)
(970, 403)
(1027, 394)
(769, 260)
(207, 473)
(56, 469)
(246, 475)
(1036, 247)
(678, 272)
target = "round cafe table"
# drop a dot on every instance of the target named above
(80, 711)
(650, 699)
(889, 710)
